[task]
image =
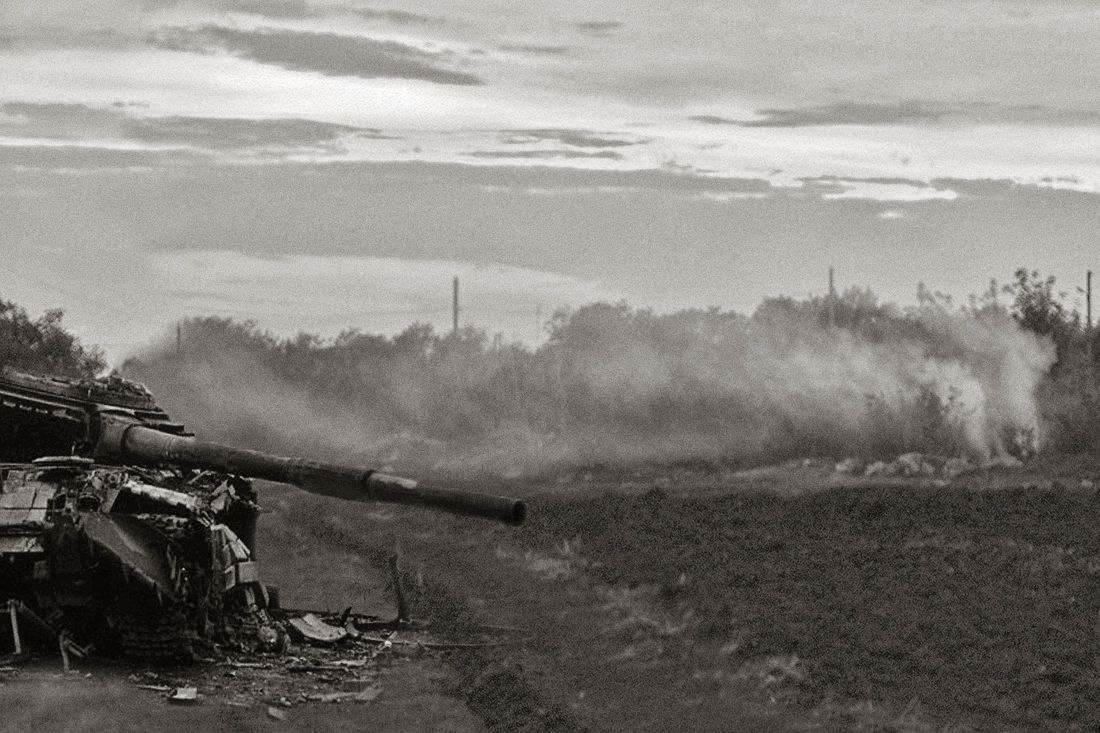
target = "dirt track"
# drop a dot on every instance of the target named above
(706, 604)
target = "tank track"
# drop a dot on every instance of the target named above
(159, 638)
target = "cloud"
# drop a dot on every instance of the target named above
(544, 154)
(575, 138)
(301, 10)
(397, 16)
(230, 133)
(728, 254)
(20, 19)
(330, 54)
(849, 113)
(843, 113)
(725, 197)
(76, 157)
(560, 190)
(536, 49)
(77, 122)
(880, 190)
(913, 112)
(295, 9)
(714, 120)
(598, 27)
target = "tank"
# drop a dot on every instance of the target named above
(122, 533)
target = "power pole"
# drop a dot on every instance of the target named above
(179, 339)
(454, 308)
(1088, 301)
(1088, 314)
(832, 300)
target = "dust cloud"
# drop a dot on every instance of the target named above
(617, 386)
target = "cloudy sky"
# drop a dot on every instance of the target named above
(323, 164)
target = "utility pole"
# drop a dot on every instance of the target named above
(454, 308)
(1088, 314)
(832, 299)
(179, 338)
(1088, 301)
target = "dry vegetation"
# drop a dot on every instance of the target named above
(616, 386)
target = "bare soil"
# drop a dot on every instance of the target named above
(778, 599)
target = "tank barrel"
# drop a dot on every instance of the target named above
(127, 439)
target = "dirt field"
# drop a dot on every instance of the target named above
(780, 599)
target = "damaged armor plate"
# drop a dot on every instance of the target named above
(125, 535)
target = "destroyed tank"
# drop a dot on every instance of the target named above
(123, 533)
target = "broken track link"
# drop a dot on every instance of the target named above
(157, 638)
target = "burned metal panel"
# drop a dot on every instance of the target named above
(136, 545)
(15, 505)
(42, 495)
(24, 500)
(314, 629)
(164, 496)
(25, 504)
(20, 545)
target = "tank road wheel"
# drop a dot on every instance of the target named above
(162, 637)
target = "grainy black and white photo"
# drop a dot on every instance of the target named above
(470, 365)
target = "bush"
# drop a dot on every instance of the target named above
(44, 345)
(614, 384)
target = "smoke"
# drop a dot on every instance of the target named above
(618, 386)
(228, 392)
(783, 386)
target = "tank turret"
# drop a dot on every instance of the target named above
(118, 421)
(121, 531)
(125, 439)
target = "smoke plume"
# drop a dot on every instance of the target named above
(615, 385)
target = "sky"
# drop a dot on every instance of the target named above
(327, 164)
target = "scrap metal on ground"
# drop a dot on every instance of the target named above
(123, 535)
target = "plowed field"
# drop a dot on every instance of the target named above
(758, 601)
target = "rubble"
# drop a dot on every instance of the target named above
(155, 688)
(365, 695)
(313, 670)
(185, 696)
(313, 629)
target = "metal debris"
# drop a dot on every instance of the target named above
(365, 695)
(185, 696)
(246, 665)
(155, 688)
(69, 647)
(314, 629)
(306, 668)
